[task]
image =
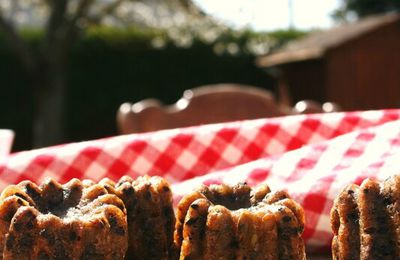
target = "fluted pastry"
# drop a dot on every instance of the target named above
(236, 222)
(54, 221)
(365, 220)
(151, 218)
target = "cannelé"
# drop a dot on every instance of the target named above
(54, 221)
(365, 221)
(237, 222)
(150, 215)
(130, 219)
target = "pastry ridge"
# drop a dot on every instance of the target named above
(54, 221)
(365, 220)
(238, 222)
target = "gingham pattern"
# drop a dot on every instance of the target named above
(304, 154)
(315, 174)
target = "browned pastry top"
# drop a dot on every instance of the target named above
(71, 221)
(238, 222)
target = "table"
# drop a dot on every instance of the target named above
(305, 154)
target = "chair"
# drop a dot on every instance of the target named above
(311, 106)
(202, 105)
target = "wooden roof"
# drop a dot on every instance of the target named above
(316, 44)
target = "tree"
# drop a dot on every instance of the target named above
(363, 8)
(63, 23)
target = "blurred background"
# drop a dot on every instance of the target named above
(67, 65)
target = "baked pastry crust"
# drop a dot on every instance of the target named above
(150, 215)
(236, 222)
(365, 221)
(53, 221)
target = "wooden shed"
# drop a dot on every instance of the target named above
(355, 65)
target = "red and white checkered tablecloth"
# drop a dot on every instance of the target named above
(311, 156)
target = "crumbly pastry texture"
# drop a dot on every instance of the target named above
(130, 219)
(237, 222)
(150, 215)
(54, 221)
(365, 220)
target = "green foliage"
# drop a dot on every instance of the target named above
(110, 66)
(365, 7)
(284, 36)
(117, 36)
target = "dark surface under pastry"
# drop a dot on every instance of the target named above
(54, 221)
(225, 222)
(365, 221)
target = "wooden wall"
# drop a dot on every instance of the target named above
(365, 73)
(305, 80)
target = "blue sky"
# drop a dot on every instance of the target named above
(267, 15)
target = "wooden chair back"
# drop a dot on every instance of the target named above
(202, 105)
(311, 106)
(205, 105)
